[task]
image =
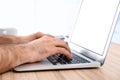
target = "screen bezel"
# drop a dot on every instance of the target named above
(92, 54)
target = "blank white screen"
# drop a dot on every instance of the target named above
(94, 23)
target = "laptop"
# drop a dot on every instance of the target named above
(90, 40)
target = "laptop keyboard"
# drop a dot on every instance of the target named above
(62, 59)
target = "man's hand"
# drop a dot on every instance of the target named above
(25, 39)
(11, 39)
(29, 49)
(46, 46)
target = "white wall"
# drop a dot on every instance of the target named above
(48, 16)
(18, 14)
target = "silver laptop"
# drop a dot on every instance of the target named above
(89, 41)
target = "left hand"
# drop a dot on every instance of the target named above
(26, 39)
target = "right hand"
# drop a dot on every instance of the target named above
(46, 46)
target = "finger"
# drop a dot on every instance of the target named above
(61, 43)
(34, 36)
(49, 35)
(64, 51)
(38, 35)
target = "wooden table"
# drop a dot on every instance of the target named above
(109, 71)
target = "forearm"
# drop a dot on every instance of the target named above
(11, 56)
(9, 39)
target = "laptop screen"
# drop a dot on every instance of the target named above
(94, 23)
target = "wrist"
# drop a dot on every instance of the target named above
(20, 54)
(9, 39)
(17, 40)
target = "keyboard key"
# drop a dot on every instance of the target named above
(52, 60)
(62, 59)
